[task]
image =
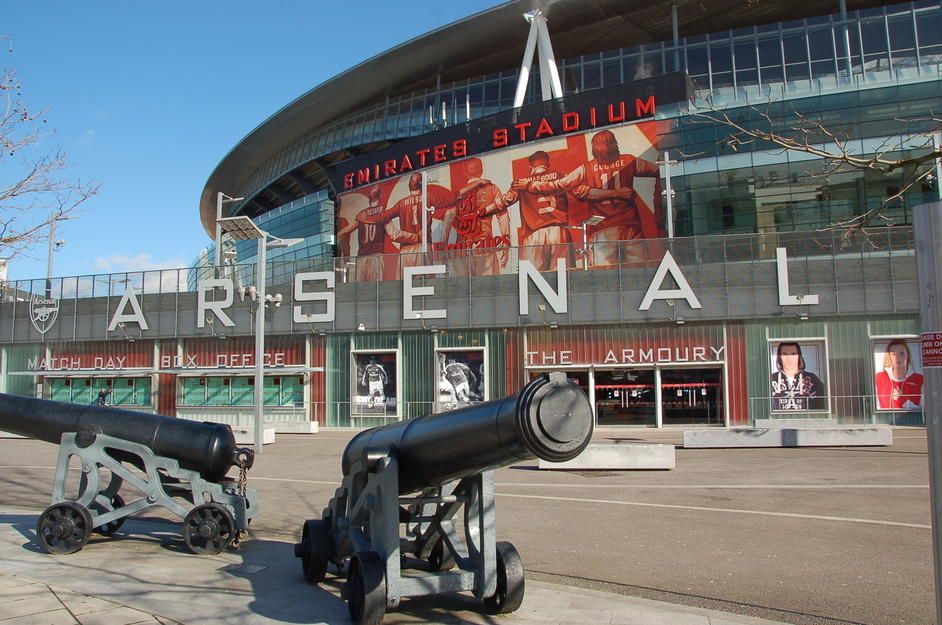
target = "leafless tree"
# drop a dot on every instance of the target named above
(35, 186)
(912, 153)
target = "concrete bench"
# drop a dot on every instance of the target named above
(842, 436)
(246, 435)
(618, 457)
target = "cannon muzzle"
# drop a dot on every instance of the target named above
(208, 448)
(551, 419)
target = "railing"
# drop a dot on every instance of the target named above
(478, 263)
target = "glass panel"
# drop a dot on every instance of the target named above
(611, 72)
(591, 76)
(720, 58)
(142, 391)
(625, 397)
(243, 393)
(692, 396)
(697, 61)
(745, 55)
(795, 50)
(874, 36)
(770, 52)
(902, 36)
(821, 43)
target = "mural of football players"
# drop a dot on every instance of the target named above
(606, 184)
(476, 233)
(544, 231)
(409, 212)
(370, 225)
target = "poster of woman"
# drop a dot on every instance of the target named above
(897, 380)
(798, 382)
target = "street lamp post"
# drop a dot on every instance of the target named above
(54, 246)
(221, 198)
(242, 229)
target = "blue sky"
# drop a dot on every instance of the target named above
(146, 98)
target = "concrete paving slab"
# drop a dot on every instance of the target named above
(56, 617)
(144, 575)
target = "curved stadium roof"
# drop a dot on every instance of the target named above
(487, 42)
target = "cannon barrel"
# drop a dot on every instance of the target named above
(208, 448)
(551, 419)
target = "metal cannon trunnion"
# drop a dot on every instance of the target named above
(175, 464)
(392, 528)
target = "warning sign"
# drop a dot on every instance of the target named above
(931, 349)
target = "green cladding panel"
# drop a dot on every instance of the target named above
(337, 369)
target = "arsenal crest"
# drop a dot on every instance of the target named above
(43, 312)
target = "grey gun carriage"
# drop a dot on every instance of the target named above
(155, 461)
(393, 528)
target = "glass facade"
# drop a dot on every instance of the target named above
(860, 76)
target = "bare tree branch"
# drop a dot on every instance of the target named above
(833, 145)
(35, 188)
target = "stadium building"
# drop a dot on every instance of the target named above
(437, 230)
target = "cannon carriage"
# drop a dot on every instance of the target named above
(131, 462)
(415, 515)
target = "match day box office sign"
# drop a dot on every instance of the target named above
(96, 356)
(235, 353)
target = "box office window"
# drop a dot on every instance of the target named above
(240, 391)
(124, 391)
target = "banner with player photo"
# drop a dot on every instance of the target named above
(534, 197)
(375, 392)
(897, 373)
(798, 380)
(461, 378)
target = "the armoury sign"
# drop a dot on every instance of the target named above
(318, 305)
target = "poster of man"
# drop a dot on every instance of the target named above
(533, 197)
(460, 378)
(897, 379)
(798, 382)
(374, 384)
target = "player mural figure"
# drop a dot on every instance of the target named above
(898, 385)
(476, 232)
(374, 378)
(461, 378)
(370, 224)
(606, 185)
(544, 232)
(409, 212)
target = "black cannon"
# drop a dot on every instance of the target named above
(172, 463)
(391, 527)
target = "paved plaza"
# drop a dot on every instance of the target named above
(804, 535)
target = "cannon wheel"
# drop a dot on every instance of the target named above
(208, 529)
(64, 528)
(314, 550)
(113, 526)
(365, 590)
(510, 581)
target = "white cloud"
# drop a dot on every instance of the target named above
(145, 273)
(120, 263)
(88, 137)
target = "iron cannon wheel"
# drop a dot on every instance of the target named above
(510, 581)
(314, 550)
(111, 527)
(208, 529)
(365, 590)
(64, 528)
